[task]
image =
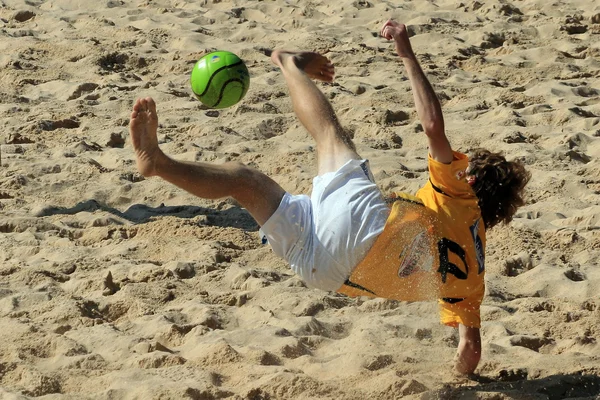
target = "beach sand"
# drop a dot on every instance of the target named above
(113, 286)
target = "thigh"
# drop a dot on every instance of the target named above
(290, 231)
(349, 214)
(334, 149)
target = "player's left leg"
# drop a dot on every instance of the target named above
(255, 191)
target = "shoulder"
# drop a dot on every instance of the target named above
(450, 179)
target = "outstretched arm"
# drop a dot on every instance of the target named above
(426, 102)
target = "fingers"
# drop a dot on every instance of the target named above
(391, 29)
(385, 33)
(329, 72)
(382, 30)
(325, 70)
(325, 75)
(388, 30)
(390, 33)
(387, 23)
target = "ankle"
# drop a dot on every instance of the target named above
(161, 162)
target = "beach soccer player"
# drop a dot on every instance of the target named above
(346, 237)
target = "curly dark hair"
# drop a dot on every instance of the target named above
(499, 185)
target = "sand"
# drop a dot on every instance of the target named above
(113, 286)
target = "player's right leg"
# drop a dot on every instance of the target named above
(255, 191)
(347, 211)
(334, 145)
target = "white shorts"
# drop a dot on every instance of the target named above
(325, 236)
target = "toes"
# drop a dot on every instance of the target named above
(151, 106)
(264, 50)
(276, 57)
(137, 106)
(144, 107)
(144, 104)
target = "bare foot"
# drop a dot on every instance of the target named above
(315, 65)
(142, 128)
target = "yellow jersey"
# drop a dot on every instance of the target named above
(432, 247)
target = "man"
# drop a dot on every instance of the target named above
(345, 237)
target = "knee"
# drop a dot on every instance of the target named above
(243, 175)
(246, 180)
(335, 135)
(236, 167)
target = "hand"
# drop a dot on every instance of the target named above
(396, 31)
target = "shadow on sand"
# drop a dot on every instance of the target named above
(516, 385)
(234, 217)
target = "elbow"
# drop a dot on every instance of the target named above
(434, 128)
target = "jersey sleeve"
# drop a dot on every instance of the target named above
(450, 179)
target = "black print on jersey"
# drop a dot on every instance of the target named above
(446, 267)
(479, 253)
